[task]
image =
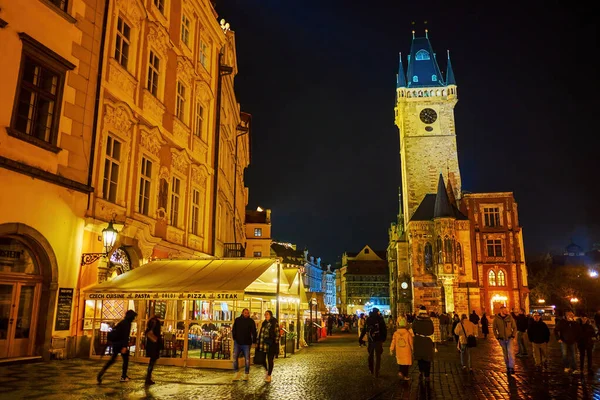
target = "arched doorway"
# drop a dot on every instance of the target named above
(20, 291)
(119, 263)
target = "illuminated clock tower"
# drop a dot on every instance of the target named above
(424, 114)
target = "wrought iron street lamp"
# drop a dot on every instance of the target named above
(109, 237)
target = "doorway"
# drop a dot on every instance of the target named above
(18, 318)
(498, 301)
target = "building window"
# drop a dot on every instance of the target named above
(145, 182)
(258, 254)
(501, 278)
(449, 250)
(175, 195)
(491, 278)
(163, 194)
(494, 248)
(122, 43)
(422, 55)
(62, 4)
(459, 258)
(257, 232)
(39, 91)
(440, 251)
(428, 257)
(415, 78)
(434, 78)
(153, 73)
(195, 211)
(199, 120)
(203, 55)
(112, 162)
(366, 251)
(180, 104)
(160, 4)
(491, 217)
(220, 219)
(185, 30)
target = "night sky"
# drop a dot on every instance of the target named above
(319, 78)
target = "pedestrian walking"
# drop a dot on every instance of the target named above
(474, 318)
(119, 339)
(402, 343)
(423, 345)
(243, 334)
(522, 321)
(485, 325)
(444, 322)
(268, 342)
(330, 320)
(463, 330)
(376, 333)
(539, 336)
(455, 321)
(505, 329)
(567, 332)
(585, 342)
(361, 324)
(153, 345)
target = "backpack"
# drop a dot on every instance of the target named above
(373, 331)
(401, 342)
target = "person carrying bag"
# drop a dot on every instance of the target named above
(466, 331)
(267, 345)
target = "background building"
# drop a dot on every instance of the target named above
(49, 69)
(364, 282)
(258, 233)
(444, 243)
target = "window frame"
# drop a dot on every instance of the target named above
(501, 282)
(186, 30)
(45, 58)
(196, 211)
(122, 38)
(153, 73)
(497, 243)
(145, 186)
(180, 101)
(492, 278)
(199, 120)
(492, 217)
(258, 232)
(175, 207)
(161, 6)
(110, 158)
(204, 54)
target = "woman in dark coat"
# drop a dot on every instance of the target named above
(484, 326)
(268, 342)
(152, 346)
(422, 327)
(455, 321)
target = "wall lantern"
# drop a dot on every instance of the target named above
(109, 237)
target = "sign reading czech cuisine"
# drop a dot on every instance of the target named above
(213, 295)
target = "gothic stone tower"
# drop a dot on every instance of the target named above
(424, 114)
(433, 246)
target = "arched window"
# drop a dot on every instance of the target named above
(437, 92)
(434, 77)
(415, 78)
(440, 251)
(443, 92)
(491, 278)
(428, 257)
(449, 250)
(459, 258)
(501, 278)
(420, 93)
(422, 55)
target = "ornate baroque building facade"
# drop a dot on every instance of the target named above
(446, 246)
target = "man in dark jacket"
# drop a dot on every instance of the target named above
(474, 318)
(567, 332)
(444, 322)
(539, 336)
(376, 332)
(244, 334)
(119, 339)
(522, 321)
(504, 328)
(585, 342)
(422, 327)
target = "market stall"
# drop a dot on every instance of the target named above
(197, 301)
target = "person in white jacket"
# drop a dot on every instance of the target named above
(463, 330)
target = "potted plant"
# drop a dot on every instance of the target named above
(290, 342)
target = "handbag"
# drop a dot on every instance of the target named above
(152, 337)
(471, 340)
(259, 357)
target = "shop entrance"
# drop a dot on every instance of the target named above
(20, 288)
(496, 302)
(17, 314)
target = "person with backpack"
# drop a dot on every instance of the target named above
(119, 338)
(463, 330)
(402, 342)
(376, 332)
(423, 329)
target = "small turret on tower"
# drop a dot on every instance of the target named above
(450, 73)
(401, 79)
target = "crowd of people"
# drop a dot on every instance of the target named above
(417, 336)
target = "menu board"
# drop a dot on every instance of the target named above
(63, 309)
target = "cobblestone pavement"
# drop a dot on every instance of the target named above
(332, 369)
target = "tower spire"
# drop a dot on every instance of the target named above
(450, 72)
(442, 207)
(401, 78)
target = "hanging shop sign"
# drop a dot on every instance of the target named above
(220, 295)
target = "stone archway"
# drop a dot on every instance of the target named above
(48, 265)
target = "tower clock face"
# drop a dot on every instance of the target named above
(428, 115)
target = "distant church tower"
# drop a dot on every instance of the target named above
(424, 114)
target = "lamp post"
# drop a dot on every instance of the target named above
(109, 237)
